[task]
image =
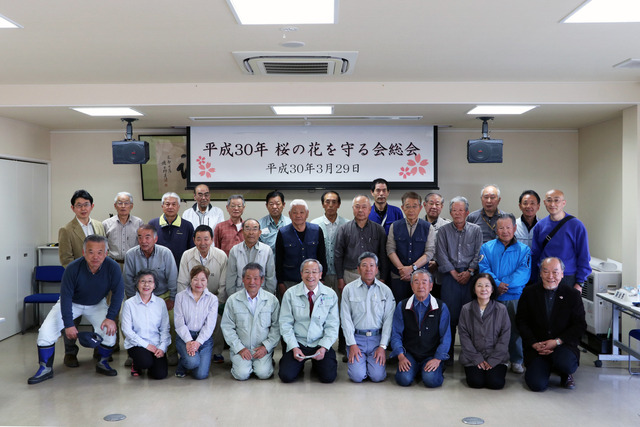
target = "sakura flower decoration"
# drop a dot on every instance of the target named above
(205, 167)
(404, 172)
(418, 165)
(414, 166)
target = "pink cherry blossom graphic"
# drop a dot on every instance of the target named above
(404, 172)
(414, 166)
(205, 167)
(418, 165)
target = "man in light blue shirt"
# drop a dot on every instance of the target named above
(250, 326)
(309, 325)
(367, 313)
(270, 224)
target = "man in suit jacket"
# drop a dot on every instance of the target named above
(551, 321)
(71, 236)
(70, 239)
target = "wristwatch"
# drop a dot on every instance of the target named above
(558, 342)
(384, 347)
(414, 267)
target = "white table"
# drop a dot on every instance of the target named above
(618, 306)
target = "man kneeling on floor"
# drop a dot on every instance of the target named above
(85, 285)
(421, 334)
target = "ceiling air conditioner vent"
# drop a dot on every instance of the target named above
(306, 64)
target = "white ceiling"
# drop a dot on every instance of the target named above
(173, 60)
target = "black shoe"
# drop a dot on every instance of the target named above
(568, 383)
(71, 361)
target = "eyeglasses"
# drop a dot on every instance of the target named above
(314, 272)
(123, 203)
(82, 205)
(436, 204)
(236, 206)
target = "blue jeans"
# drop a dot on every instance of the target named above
(515, 342)
(430, 379)
(199, 363)
(367, 366)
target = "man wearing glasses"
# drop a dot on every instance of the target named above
(433, 204)
(71, 239)
(122, 229)
(202, 212)
(487, 217)
(309, 322)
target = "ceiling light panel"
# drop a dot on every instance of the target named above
(501, 109)
(605, 11)
(8, 23)
(108, 111)
(284, 12)
(302, 110)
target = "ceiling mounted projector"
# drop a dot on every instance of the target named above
(484, 150)
(129, 151)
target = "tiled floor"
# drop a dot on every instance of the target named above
(606, 396)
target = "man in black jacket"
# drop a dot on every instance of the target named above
(551, 321)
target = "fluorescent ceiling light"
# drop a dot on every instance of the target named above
(302, 110)
(501, 109)
(283, 12)
(605, 11)
(108, 111)
(8, 23)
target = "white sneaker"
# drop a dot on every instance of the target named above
(517, 368)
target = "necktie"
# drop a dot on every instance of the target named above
(310, 295)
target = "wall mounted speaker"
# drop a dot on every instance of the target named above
(130, 152)
(484, 151)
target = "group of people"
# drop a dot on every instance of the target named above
(387, 284)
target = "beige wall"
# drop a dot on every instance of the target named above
(23, 140)
(84, 160)
(600, 177)
(630, 205)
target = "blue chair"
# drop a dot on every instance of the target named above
(43, 274)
